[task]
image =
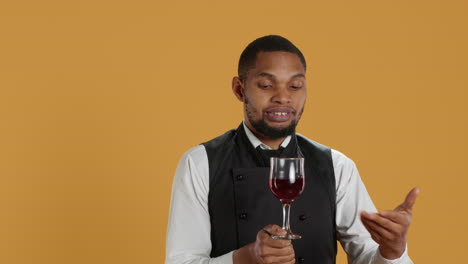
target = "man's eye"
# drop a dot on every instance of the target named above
(264, 86)
(296, 86)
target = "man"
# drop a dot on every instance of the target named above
(222, 210)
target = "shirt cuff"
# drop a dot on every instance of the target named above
(403, 259)
(224, 259)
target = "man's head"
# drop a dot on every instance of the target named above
(272, 86)
(268, 43)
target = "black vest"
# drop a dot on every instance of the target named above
(240, 201)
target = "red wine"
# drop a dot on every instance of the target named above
(284, 190)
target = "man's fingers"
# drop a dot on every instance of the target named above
(274, 230)
(267, 250)
(279, 254)
(268, 231)
(410, 199)
(386, 223)
(279, 260)
(377, 228)
(374, 227)
(397, 217)
(375, 236)
(277, 243)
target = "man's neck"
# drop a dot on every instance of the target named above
(272, 143)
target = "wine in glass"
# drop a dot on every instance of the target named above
(287, 183)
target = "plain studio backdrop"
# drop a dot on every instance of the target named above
(99, 100)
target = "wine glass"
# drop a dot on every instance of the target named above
(287, 183)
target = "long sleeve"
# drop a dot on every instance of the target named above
(188, 233)
(352, 198)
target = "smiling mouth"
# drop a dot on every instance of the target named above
(279, 115)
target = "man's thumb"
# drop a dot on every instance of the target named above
(410, 199)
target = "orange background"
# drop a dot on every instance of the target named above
(99, 99)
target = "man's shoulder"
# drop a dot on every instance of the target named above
(220, 140)
(199, 154)
(195, 154)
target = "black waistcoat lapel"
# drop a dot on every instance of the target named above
(241, 203)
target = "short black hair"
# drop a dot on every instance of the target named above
(265, 44)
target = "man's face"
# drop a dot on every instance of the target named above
(274, 94)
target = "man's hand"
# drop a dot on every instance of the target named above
(389, 228)
(266, 249)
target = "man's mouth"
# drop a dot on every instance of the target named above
(279, 115)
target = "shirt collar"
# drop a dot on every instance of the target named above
(256, 142)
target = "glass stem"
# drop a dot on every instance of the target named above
(286, 211)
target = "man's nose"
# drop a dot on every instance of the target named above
(281, 96)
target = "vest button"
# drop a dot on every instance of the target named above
(240, 177)
(243, 216)
(300, 260)
(302, 217)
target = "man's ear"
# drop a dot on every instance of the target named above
(238, 88)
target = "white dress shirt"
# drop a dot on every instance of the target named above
(188, 233)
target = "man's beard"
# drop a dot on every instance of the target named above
(273, 133)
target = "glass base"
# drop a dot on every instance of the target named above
(287, 236)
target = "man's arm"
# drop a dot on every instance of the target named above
(188, 232)
(390, 228)
(351, 199)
